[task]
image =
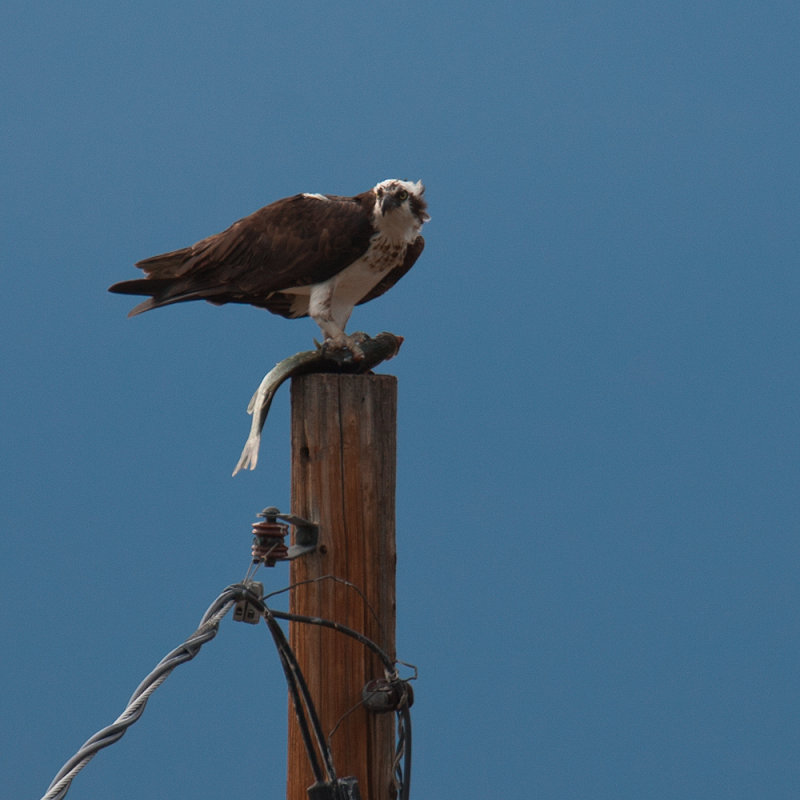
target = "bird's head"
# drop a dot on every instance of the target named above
(400, 206)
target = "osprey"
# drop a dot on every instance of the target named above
(316, 255)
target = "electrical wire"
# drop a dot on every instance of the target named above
(384, 657)
(401, 770)
(388, 663)
(402, 773)
(334, 579)
(206, 630)
(308, 720)
(402, 764)
(301, 698)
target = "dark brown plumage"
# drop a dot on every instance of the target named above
(306, 254)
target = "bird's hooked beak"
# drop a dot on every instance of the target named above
(388, 202)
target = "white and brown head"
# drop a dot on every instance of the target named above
(400, 208)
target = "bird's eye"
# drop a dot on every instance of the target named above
(402, 195)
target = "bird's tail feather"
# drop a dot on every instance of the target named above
(162, 291)
(151, 286)
(168, 265)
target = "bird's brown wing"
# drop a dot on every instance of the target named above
(293, 242)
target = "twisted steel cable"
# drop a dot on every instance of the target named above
(309, 721)
(206, 630)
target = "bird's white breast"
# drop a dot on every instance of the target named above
(355, 281)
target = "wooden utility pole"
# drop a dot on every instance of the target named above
(343, 477)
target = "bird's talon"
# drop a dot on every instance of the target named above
(344, 348)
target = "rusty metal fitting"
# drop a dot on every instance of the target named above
(269, 537)
(269, 543)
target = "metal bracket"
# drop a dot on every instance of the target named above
(306, 535)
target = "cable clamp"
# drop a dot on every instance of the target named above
(250, 609)
(382, 695)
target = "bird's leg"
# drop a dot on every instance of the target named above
(331, 320)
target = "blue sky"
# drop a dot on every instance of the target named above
(598, 431)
